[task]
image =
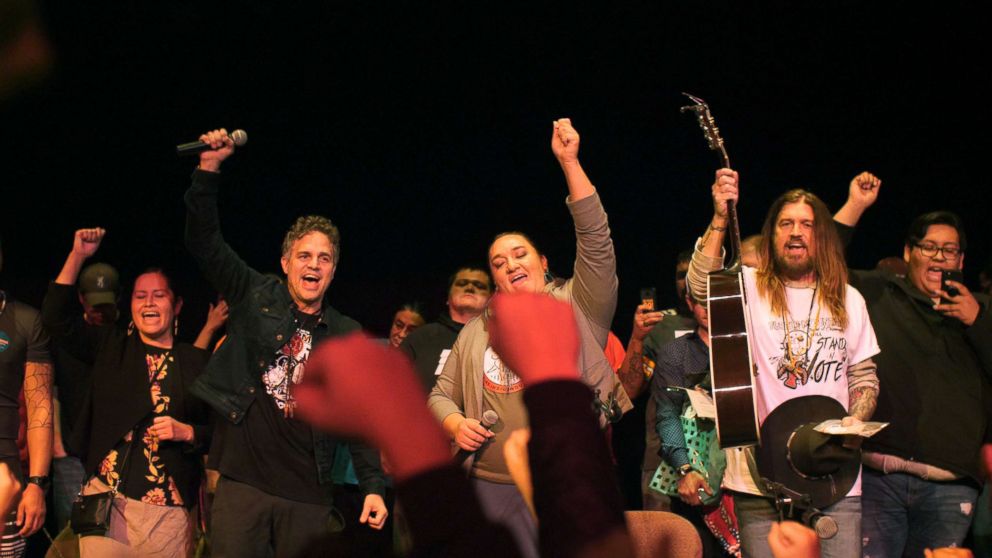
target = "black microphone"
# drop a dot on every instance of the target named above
(239, 137)
(489, 419)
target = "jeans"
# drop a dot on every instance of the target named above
(905, 514)
(756, 515)
(67, 478)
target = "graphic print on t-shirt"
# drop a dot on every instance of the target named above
(814, 353)
(287, 369)
(496, 377)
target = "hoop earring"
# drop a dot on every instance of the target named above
(548, 278)
(130, 328)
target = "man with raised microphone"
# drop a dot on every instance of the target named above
(275, 490)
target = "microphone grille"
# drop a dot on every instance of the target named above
(825, 527)
(490, 417)
(239, 137)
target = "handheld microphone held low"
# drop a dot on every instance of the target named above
(239, 137)
(489, 419)
(824, 525)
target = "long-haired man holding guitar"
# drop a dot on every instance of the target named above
(809, 335)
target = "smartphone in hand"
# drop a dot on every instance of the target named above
(950, 275)
(647, 297)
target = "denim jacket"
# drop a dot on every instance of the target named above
(260, 322)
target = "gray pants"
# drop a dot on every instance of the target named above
(250, 523)
(756, 515)
(503, 504)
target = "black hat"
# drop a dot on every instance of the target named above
(99, 284)
(802, 459)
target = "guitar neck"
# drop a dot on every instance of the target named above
(734, 235)
(733, 226)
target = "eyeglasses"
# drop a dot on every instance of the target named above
(930, 250)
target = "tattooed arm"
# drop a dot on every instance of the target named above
(631, 372)
(862, 387)
(40, 413)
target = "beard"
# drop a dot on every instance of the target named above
(794, 268)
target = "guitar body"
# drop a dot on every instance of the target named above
(731, 365)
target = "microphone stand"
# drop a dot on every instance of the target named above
(787, 501)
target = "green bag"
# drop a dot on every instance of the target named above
(705, 456)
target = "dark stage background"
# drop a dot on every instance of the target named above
(422, 128)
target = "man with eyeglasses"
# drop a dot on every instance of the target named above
(922, 477)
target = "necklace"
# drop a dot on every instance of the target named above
(295, 361)
(795, 363)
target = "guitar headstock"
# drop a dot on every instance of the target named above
(708, 124)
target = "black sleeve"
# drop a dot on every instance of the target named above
(979, 335)
(200, 417)
(869, 282)
(34, 333)
(368, 468)
(575, 491)
(223, 268)
(845, 233)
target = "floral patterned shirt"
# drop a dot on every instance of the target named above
(147, 479)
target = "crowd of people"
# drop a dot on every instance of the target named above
(507, 400)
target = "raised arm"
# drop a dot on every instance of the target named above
(84, 244)
(58, 310)
(227, 272)
(565, 146)
(595, 273)
(861, 194)
(708, 255)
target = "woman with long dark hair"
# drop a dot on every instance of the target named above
(140, 429)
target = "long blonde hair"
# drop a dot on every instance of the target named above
(829, 263)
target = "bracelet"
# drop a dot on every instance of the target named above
(717, 229)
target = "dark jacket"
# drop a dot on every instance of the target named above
(260, 322)
(933, 372)
(425, 345)
(118, 396)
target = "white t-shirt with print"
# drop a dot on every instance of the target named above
(822, 346)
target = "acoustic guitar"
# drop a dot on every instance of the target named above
(731, 366)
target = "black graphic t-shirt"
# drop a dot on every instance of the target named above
(270, 449)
